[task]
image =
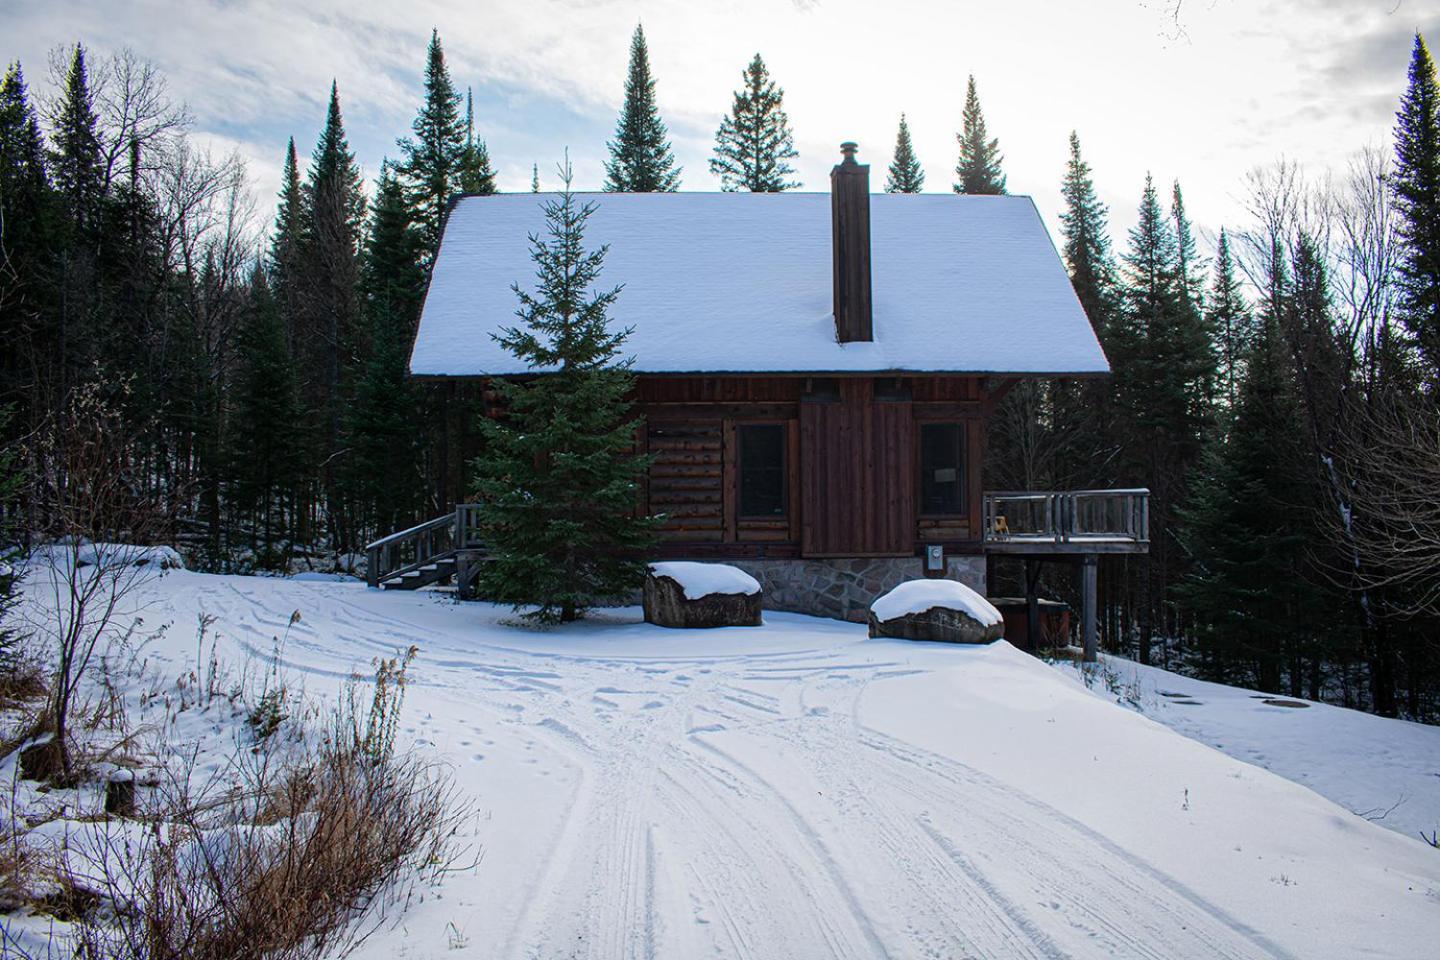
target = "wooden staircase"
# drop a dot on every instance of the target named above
(437, 551)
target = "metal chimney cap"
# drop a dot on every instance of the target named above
(848, 148)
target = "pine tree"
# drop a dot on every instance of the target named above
(383, 468)
(754, 140)
(431, 168)
(1229, 320)
(906, 175)
(476, 176)
(1416, 186)
(641, 160)
(556, 478)
(978, 171)
(535, 178)
(1186, 259)
(266, 442)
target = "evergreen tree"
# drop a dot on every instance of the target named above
(1084, 225)
(1080, 411)
(1229, 320)
(906, 175)
(25, 245)
(1161, 361)
(476, 176)
(24, 179)
(76, 155)
(556, 478)
(431, 169)
(535, 178)
(1186, 258)
(286, 248)
(978, 171)
(383, 468)
(641, 160)
(1247, 527)
(754, 141)
(333, 332)
(266, 442)
(1416, 186)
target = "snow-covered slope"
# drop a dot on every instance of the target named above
(801, 791)
(1387, 771)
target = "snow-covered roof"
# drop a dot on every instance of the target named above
(741, 282)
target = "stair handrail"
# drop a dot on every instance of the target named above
(429, 543)
(380, 556)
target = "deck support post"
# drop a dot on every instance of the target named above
(462, 575)
(1032, 604)
(1089, 571)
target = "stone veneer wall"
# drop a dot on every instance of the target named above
(844, 589)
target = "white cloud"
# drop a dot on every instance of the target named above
(1247, 82)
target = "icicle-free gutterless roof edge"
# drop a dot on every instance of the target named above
(741, 283)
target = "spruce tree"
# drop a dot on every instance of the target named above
(641, 160)
(286, 249)
(906, 175)
(978, 171)
(383, 468)
(26, 299)
(535, 178)
(76, 155)
(557, 480)
(1246, 526)
(476, 176)
(1084, 226)
(330, 266)
(266, 442)
(1080, 411)
(1162, 364)
(1416, 186)
(432, 158)
(1229, 320)
(754, 141)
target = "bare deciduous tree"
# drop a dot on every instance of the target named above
(99, 524)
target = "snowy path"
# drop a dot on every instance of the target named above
(798, 791)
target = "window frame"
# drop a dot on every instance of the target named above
(962, 468)
(782, 427)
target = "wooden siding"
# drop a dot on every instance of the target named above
(857, 476)
(852, 464)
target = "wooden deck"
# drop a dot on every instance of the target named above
(1070, 522)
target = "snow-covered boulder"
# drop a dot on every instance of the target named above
(944, 610)
(685, 594)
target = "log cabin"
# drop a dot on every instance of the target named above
(814, 374)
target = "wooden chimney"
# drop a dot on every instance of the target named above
(850, 239)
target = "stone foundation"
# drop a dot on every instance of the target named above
(844, 589)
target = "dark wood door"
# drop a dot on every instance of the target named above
(857, 463)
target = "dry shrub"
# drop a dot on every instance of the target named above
(306, 861)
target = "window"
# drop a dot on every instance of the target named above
(942, 468)
(762, 469)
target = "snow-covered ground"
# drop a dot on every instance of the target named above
(1387, 771)
(798, 790)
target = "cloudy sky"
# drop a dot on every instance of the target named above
(1202, 97)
